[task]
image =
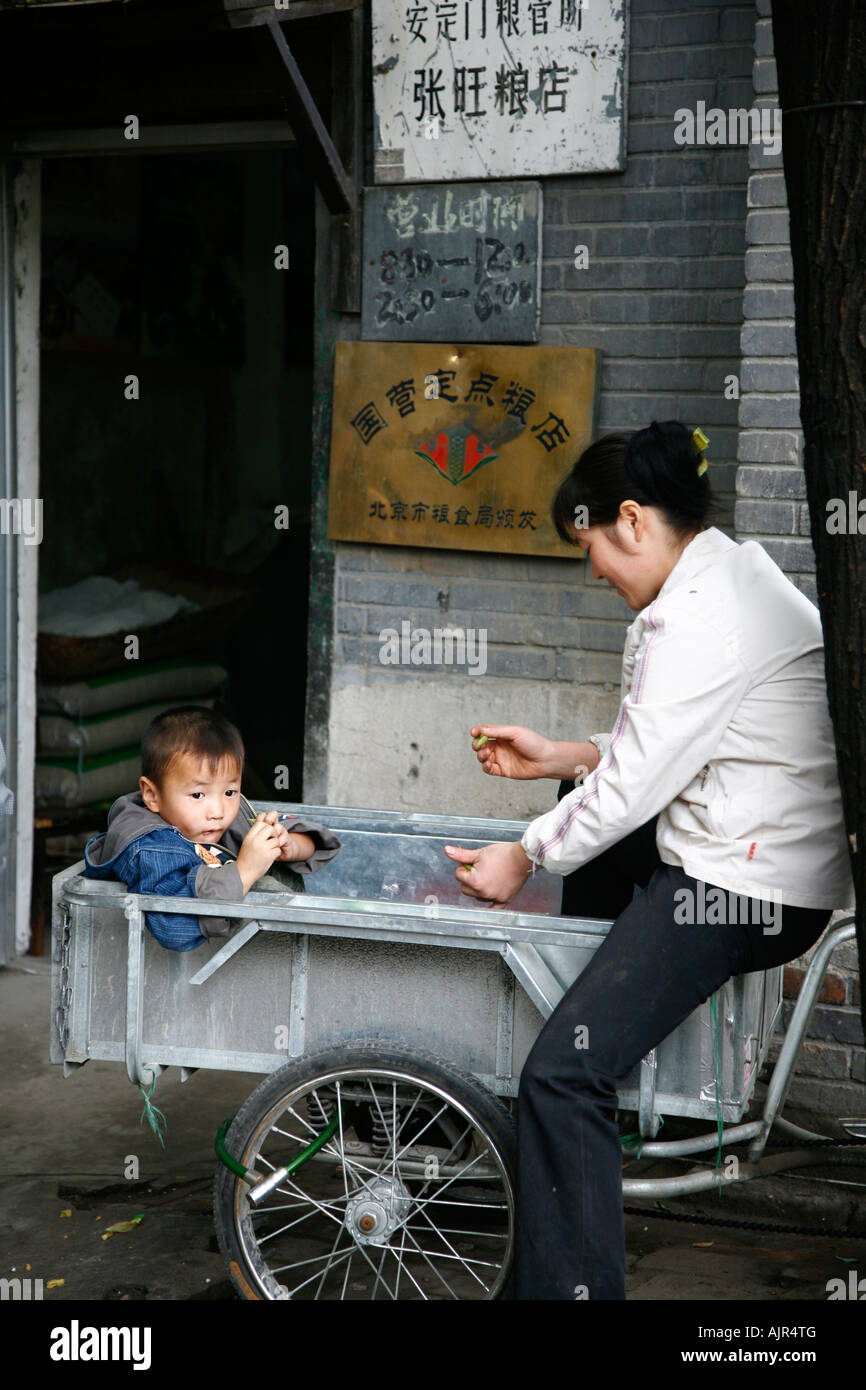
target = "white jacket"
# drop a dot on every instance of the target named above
(724, 730)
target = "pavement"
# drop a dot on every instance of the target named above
(76, 1160)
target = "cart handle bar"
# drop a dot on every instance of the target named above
(264, 1185)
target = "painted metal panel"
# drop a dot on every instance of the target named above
(468, 89)
(456, 445)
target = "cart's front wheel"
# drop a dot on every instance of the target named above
(412, 1197)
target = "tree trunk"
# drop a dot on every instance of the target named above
(821, 57)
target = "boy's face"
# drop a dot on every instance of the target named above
(197, 802)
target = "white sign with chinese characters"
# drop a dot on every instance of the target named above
(488, 89)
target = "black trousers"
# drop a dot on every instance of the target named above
(649, 974)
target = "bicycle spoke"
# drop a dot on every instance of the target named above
(330, 1265)
(346, 1276)
(457, 1141)
(394, 1113)
(379, 1273)
(466, 1260)
(476, 1235)
(409, 1275)
(399, 1264)
(273, 1234)
(320, 1206)
(409, 1113)
(423, 1254)
(384, 1121)
(416, 1137)
(474, 1206)
(467, 1263)
(305, 1282)
(419, 1205)
(300, 1139)
(342, 1144)
(456, 1176)
(362, 1251)
(293, 1206)
(308, 1260)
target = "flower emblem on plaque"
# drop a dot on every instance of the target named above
(457, 454)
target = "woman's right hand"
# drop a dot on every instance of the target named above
(513, 751)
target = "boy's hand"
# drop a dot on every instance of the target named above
(273, 818)
(261, 846)
(296, 847)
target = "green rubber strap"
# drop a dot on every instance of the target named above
(222, 1152)
(240, 1171)
(717, 1041)
(314, 1147)
(636, 1140)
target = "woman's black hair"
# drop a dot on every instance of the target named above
(657, 467)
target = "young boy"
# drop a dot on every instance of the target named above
(182, 835)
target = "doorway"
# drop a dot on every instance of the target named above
(175, 448)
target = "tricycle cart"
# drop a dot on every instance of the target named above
(391, 1021)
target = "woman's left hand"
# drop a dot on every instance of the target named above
(497, 873)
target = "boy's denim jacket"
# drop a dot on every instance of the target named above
(151, 856)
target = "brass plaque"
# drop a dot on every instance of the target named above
(460, 446)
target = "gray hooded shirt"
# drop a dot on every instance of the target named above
(129, 820)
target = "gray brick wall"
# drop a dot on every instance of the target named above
(544, 619)
(662, 299)
(831, 1066)
(771, 488)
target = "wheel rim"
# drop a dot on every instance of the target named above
(410, 1199)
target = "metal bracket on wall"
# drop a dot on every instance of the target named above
(337, 187)
(337, 159)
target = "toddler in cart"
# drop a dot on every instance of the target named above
(189, 832)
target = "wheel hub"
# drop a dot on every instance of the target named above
(374, 1213)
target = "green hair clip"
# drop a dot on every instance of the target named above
(701, 443)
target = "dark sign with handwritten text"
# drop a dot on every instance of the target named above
(457, 263)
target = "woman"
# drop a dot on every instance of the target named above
(720, 772)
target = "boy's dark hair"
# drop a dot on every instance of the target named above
(188, 729)
(656, 467)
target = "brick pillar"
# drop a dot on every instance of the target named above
(771, 487)
(771, 508)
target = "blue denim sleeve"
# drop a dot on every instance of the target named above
(152, 867)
